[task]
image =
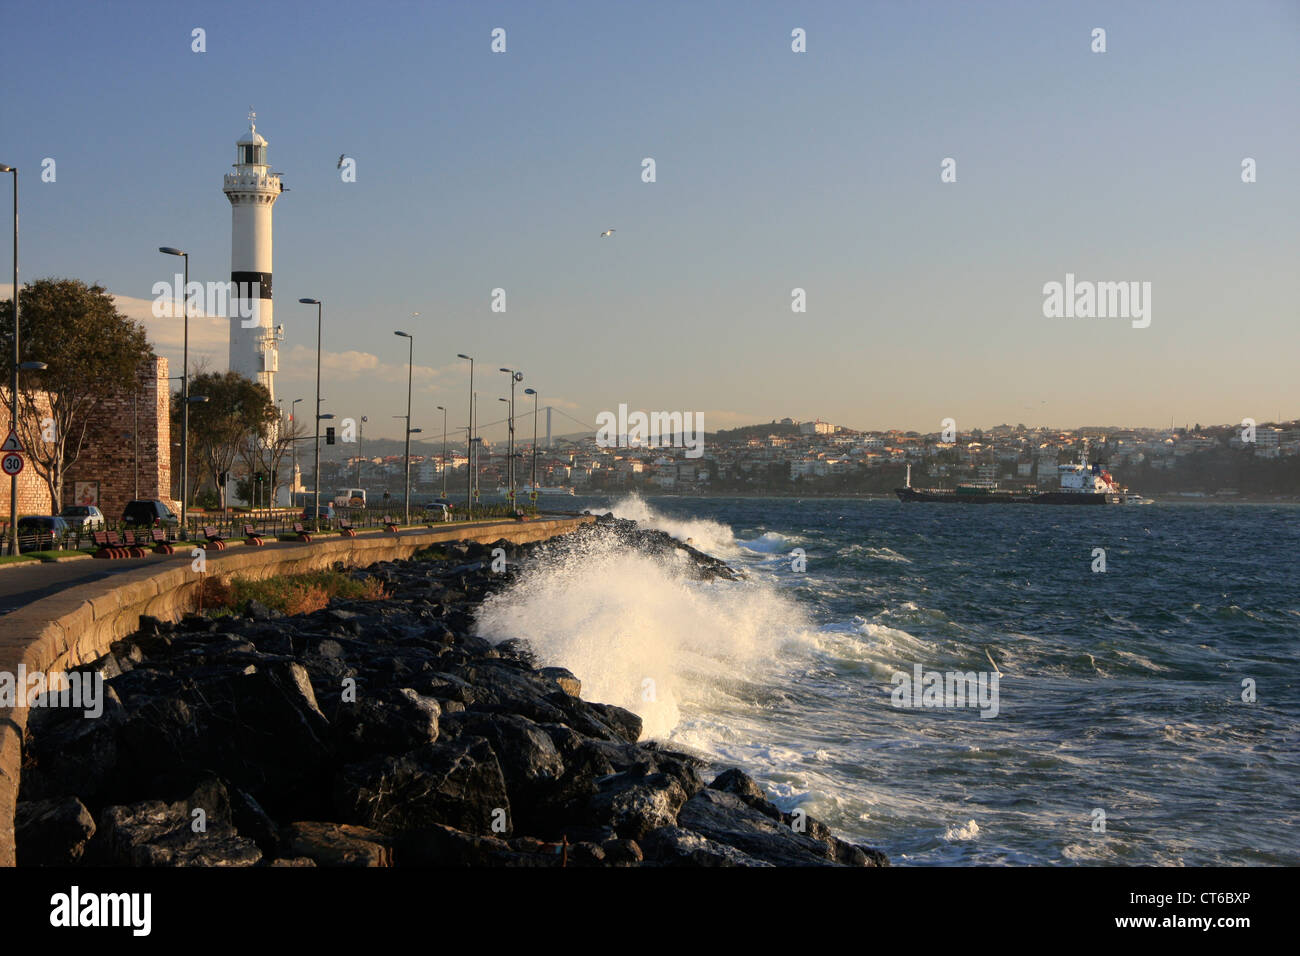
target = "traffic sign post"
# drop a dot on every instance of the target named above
(12, 463)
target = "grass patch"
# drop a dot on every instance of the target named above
(17, 558)
(431, 554)
(288, 594)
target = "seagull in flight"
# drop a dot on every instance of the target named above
(342, 156)
(607, 233)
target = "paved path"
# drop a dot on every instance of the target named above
(19, 586)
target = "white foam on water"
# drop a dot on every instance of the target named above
(641, 634)
(711, 537)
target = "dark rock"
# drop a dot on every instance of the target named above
(458, 784)
(673, 846)
(635, 804)
(743, 786)
(393, 722)
(725, 818)
(154, 833)
(622, 852)
(565, 680)
(338, 844)
(52, 832)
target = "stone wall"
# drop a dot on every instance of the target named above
(109, 454)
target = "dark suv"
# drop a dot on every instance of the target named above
(149, 513)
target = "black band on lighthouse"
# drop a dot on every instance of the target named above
(242, 280)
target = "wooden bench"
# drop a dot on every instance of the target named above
(251, 537)
(346, 529)
(160, 545)
(135, 546)
(301, 532)
(106, 550)
(215, 541)
(118, 545)
(390, 525)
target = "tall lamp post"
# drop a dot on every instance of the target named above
(293, 451)
(443, 463)
(13, 380)
(316, 475)
(469, 442)
(185, 385)
(533, 392)
(510, 468)
(361, 438)
(410, 359)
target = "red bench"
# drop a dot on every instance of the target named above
(390, 524)
(301, 532)
(135, 543)
(215, 541)
(346, 529)
(106, 550)
(251, 537)
(160, 545)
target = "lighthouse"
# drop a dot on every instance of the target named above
(252, 190)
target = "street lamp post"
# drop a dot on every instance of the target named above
(316, 474)
(410, 360)
(13, 379)
(293, 451)
(443, 463)
(185, 384)
(361, 438)
(510, 465)
(469, 443)
(533, 392)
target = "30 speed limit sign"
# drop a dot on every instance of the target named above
(12, 463)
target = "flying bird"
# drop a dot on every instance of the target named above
(607, 233)
(342, 156)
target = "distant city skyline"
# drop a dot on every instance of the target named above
(775, 171)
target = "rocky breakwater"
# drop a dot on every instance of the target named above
(376, 733)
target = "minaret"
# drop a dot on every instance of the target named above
(252, 190)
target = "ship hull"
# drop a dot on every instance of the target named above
(1007, 497)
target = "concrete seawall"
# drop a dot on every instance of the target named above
(79, 624)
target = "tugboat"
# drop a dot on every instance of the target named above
(1081, 484)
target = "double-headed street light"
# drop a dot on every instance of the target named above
(533, 392)
(293, 450)
(410, 360)
(316, 475)
(515, 377)
(469, 443)
(443, 463)
(185, 383)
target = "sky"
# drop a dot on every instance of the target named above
(775, 170)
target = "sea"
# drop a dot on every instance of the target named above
(1138, 668)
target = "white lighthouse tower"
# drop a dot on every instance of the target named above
(252, 190)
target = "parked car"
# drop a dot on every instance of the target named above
(83, 519)
(149, 513)
(324, 515)
(437, 511)
(41, 533)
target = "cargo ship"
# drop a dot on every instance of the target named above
(1081, 483)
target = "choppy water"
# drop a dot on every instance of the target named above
(1119, 691)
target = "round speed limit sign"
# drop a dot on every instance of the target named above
(12, 463)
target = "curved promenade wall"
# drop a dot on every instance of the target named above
(79, 624)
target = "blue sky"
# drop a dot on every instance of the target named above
(775, 170)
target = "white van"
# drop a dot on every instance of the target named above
(350, 498)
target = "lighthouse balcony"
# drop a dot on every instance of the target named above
(251, 180)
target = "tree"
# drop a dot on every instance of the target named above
(92, 351)
(237, 410)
